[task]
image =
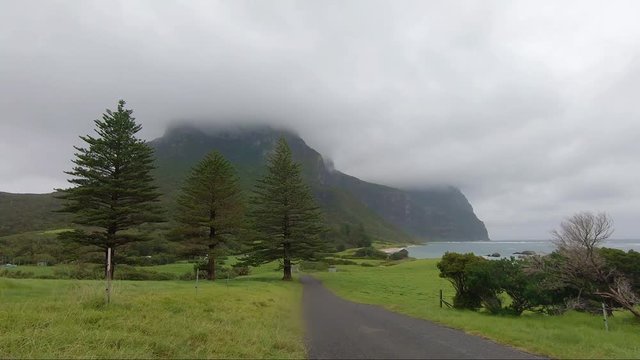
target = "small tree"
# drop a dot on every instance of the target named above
(284, 213)
(490, 278)
(578, 241)
(210, 207)
(113, 187)
(453, 267)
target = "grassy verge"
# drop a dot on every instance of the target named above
(413, 288)
(256, 317)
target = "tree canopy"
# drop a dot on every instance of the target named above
(113, 189)
(284, 214)
(210, 208)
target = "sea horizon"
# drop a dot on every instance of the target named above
(505, 248)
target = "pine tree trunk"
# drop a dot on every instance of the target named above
(287, 263)
(211, 272)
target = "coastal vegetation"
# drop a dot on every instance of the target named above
(579, 275)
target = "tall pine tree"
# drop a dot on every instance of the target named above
(284, 213)
(210, 208)
(113, 187)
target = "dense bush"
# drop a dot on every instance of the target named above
(16, 274)
(453, 267)
(625, 263)
(126, 272)
(348, 235)
(532, 284)
(525, 288)
(222, 272)
(240, 270)
(332, 261)
(402, 254)
(481, 282)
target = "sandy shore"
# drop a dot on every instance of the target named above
(392, 250)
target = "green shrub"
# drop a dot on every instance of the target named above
(479, 282)
(241, 270)
(484, 281)
(402, 254)
(16, 274)
(624, 263)
(453, 267)
(126, 272)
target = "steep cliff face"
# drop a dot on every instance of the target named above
(436, 214)
(388, 213)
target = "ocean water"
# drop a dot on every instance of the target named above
(505, 248)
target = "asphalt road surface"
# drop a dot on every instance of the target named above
(341, 329)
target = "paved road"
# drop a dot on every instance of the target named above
(340, 329)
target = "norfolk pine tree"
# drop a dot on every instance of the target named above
(113, 187)
(210, 207)
(284, 214)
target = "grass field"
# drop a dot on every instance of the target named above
(257, 316)
(413, 288)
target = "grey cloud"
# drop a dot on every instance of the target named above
(529, 107)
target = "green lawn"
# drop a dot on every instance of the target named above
(413, 288)
(257, 316)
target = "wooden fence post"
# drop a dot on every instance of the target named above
(197, 278)
(108, 275)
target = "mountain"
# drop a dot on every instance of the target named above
(27, 212)
(353, 207)
(385, 212)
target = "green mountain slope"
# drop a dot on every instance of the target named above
(247, 148)
(385, 213)
(28, 212)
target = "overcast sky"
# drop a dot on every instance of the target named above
(530, 107)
